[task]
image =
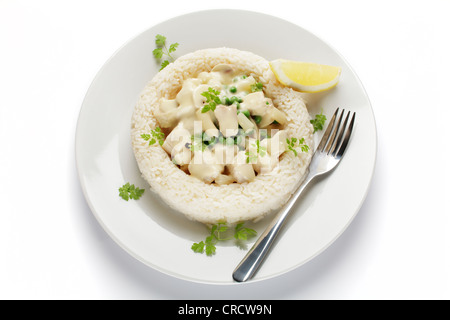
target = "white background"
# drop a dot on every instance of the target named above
(51, 246)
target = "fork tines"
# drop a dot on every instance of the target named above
(337, 135)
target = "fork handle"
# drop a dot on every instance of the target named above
(255, 256)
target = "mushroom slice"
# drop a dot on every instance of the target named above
(223, 68)
(227, 118)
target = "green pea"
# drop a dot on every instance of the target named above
(257, 119)
(233, 89)
(247, 113)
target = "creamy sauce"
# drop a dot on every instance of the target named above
(222, 128)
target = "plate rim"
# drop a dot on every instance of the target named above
(176, 275)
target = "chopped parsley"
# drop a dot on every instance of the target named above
(162, 50)
(128, 191)
(212, 100)
(318, 122)
(221, 232)
(260, 150)
(294, 143)
(155, 135)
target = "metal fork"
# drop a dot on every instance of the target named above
(326, 157)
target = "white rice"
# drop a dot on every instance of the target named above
(211, 203)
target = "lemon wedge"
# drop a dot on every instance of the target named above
(305, 76)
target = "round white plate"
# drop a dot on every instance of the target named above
(162, 238)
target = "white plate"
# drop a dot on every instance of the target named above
(160, 237)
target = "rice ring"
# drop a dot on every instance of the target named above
(211, 203)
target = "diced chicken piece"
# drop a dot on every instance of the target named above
(272, 114)
(224, 179)
(255, 103)
(166, 105)
(276, 145)
(245, 84)
(212, 79)
(245, 122)
(186, 116)
(181, 155)
(198, 98)
(207, 123)
(227, 118)
(166, 113)
(225, 153)
(166, 119)
(265, 164)
(252, 149)
(184, 112)
(185, 96)
(178, 135)
(240, 169)
(203, 76)
(204, 166)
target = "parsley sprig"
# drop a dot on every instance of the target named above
(294, 143)
(318, 122)
(220, 232)
(128, 191)
(155, 135)
(260, 150)
(162, 50)
(212, 99)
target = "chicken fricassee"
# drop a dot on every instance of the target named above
(221, 128)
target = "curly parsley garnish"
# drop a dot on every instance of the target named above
(162, 50)
(212, 100)
(294, 143)
(128, 191)
(260, 150)
(318, 122)
(156, 135)
(219, 233)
